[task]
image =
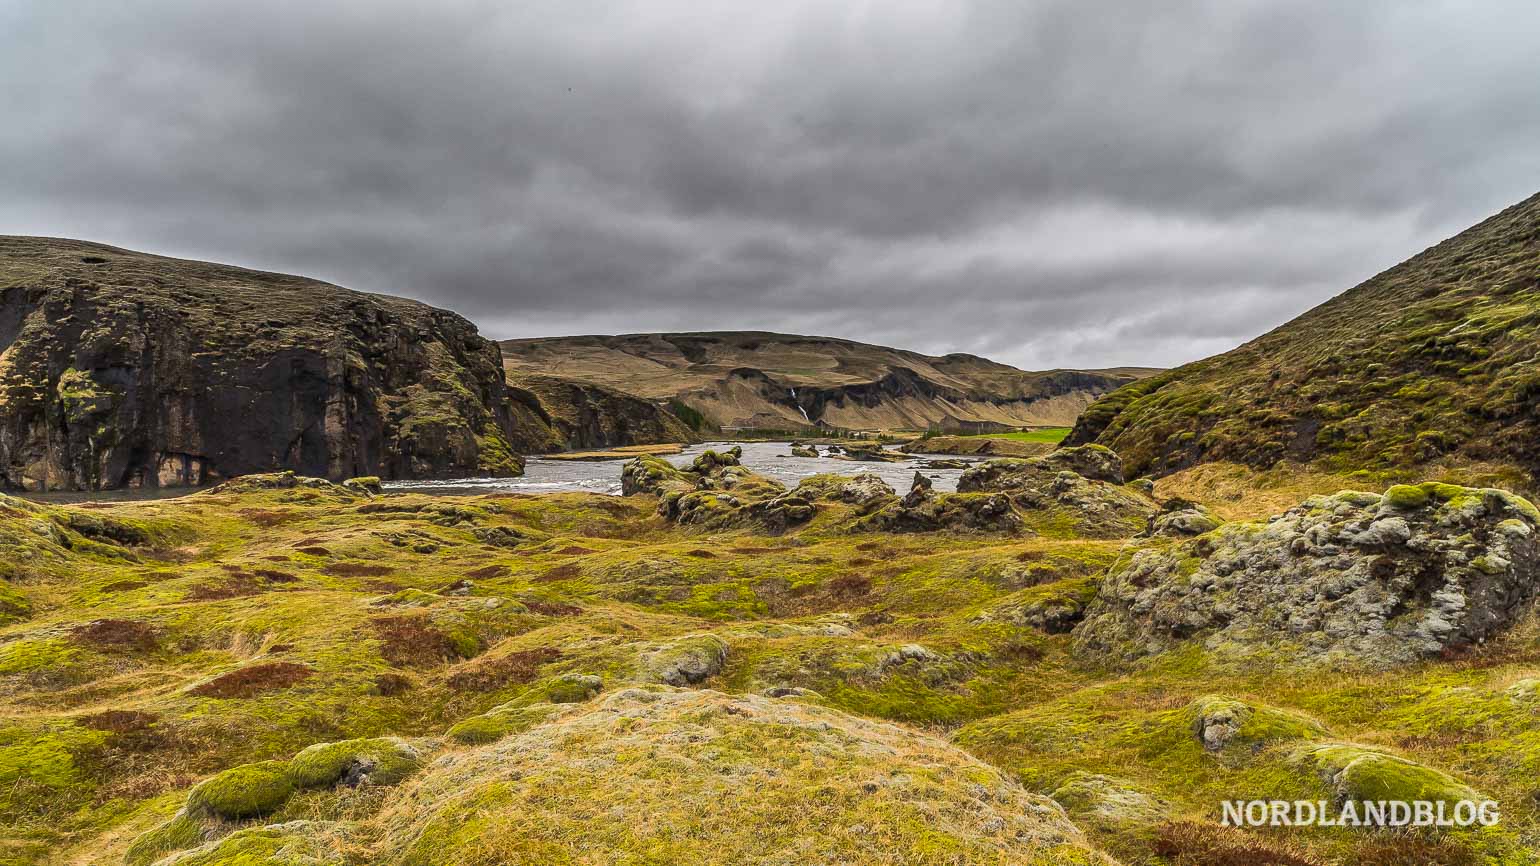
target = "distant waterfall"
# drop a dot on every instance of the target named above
(799, 406)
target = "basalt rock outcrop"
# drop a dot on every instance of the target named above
(716, 492)
(1079, 489)
(122, 369)
(555, 414)
(1352, 578)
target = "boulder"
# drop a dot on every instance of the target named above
(1353, 579)
(687, 661)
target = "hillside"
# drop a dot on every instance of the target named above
(759, 379)
(122, 369)
(1433, 359)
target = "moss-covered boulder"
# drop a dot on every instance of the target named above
(243, 792)
(573, 688)
(686, 661)
(376, 761)
(1364, 774)
(1354, 578)
(1222, 724)
(1071, 490)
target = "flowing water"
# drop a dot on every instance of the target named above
(774, 459)
(543, 475)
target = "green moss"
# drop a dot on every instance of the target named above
(181, 831)
(573, 688)
(290, 844)
(243, 792)
(384, 760)
(1406, 497)
(500, 722)
(1363, 774)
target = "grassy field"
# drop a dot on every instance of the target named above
(1051, 435)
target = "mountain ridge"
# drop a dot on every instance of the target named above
(771, 379)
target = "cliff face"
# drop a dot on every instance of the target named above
(569, 414)
(783, 381)
(121, 369)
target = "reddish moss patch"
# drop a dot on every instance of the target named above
(356, 569)
(235, 586)
(552, 608)
(700, 553)
(391, 685)
(267, 518)
(414, 641)
(314, 551)
(573, 550)
(275, 576)
(119, 633)
(487, 675)
(489, 571)
(254, 679)
(850, 585)
(124, 585)
(132, 730)
(561, 572)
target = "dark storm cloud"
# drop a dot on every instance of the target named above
(1052, 184)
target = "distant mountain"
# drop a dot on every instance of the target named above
(1438, 357)
(123, 369)
(783, 381)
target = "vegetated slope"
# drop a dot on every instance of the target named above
(553, 414)
(121, 369)
(1436, 356)
(759, 379)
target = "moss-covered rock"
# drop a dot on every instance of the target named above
(376, 761)
(686, 661)
(1353, 578)
(1365, 774)
(243, 792)
(573, 688)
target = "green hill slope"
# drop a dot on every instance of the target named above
(1432, 359)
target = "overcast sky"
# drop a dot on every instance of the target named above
(1046, 183)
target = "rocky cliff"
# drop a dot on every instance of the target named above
(552, 414)
(783, 381)
(122, 369)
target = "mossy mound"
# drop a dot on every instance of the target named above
(1222, 724)
(377, 761)
(1364, 774)
(724, 780)
(243, 792)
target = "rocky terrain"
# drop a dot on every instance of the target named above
(121, 369)
(786, 382)
(1430, 362)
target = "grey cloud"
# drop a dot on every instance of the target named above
(1050, 184)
